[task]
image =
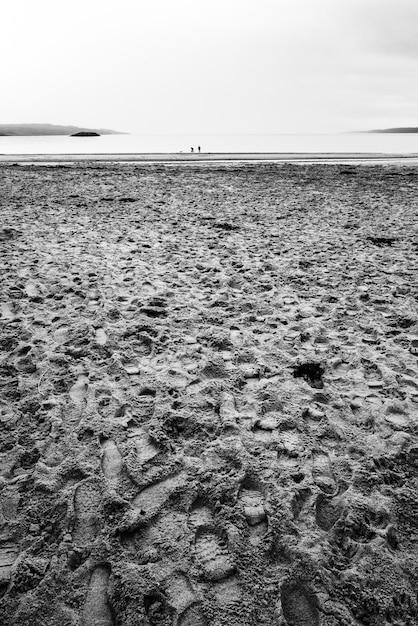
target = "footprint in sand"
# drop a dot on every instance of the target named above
(131, 367)
(32, 290)
(87, 504)
(8, 555)
(9, 502)
(299, 500)
(7, 311)
(111, 460)
(236, 336)
(61, 334)
(265, 428)
(300, 606)
(157, 610)
(327, 511)
(252, 374)
(101, 337)
(290, 447)
(167, 533)
(212, 555)
(192, 617)
(144, 447)
(97, 610)
(145, 403)
(179, 592)
(148, 289)
(251, 500)
(227, 410)
(9, 550)
(109, 407)
(228, 594)
(200, 515)
(211, 551)
(78, 392)
(143, 346)
(150, 500)
(322, 473)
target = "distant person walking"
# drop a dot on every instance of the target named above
(191, 149)
(198, 147)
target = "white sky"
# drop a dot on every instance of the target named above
(210, 66)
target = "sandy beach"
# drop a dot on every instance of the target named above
(408, 158)
(209, 394)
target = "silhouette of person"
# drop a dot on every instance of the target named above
(198, 147)
(191, 149)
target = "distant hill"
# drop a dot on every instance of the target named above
(412, 129)
(11, 130)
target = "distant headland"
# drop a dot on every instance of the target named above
(28, 130)
(402, 129)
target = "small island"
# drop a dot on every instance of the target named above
(85, 133)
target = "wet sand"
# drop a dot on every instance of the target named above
(209, 395)
(356, 157)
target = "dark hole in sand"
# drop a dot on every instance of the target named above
(85, 435)
(75, 559)
(305, 264)
(311, 372)
(297, 478)
(157, 302)
(25, 350)
(153, 311)
(147, 391)
(225, 226)
(7, 371)
(382, 241)
(9, 233)
(29, 458)
(8, 343)
(405, 322)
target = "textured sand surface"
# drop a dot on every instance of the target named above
(209, 395)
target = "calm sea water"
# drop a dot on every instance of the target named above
(137, 144)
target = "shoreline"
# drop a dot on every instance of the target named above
(207, 158)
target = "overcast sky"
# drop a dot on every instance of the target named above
(210, 66)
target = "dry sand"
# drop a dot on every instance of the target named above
(209, 400)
